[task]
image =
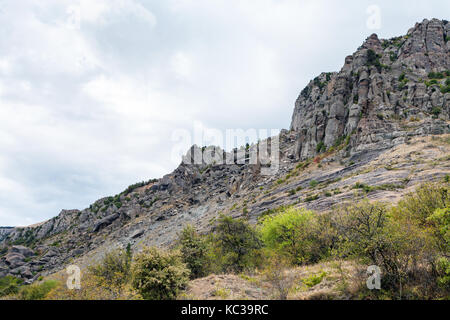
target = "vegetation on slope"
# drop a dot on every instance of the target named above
(410, 242)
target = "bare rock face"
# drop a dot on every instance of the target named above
(384, 84)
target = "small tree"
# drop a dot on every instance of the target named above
(277, 273)
(295, 234)
(236, 244)
(194, 251)
(158, 274)
(113, 271)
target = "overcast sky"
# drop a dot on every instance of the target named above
(91, 91)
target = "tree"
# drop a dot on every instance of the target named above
(295, 234)
(158, 274)
(194, 251)
(236, 244)
(113, 271)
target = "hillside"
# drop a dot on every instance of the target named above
(377, 128)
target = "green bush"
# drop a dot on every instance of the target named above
(235, 245)
(313, 183)
(194, 251)
(295, 234)
(9, 285)
(423, 202)
(113, 271)
(440, 220)
(435, 75)
(158, 274)
(435, 111)
(37, 291)
(321, 147)
(443, 270)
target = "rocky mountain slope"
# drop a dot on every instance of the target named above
(375, 129)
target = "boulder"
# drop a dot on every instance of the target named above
(105, 222)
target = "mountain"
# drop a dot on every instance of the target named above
(383, 120)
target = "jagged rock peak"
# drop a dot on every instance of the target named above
(384, 85)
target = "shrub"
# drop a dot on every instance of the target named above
(37, 291)
(373, 59)
(440, 220)
(435, 111)
(194, 251)
(435, 75)
(443, 270)
(313, 183)
(113, 272)
(314, 279)
(278, 275)
(372, 233)
(320, 147)
(159, 275)
(422, 203)
(294, 234)
(235, 245)
(9, 285)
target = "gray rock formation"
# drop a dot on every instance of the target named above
(383, 84)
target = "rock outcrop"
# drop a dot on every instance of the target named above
(383, 84)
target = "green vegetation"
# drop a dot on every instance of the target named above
(313, 183)
(294, 234)
(113, 272)
(314, 279)
(435, 111)
(9, 285)
(373, 59)
(234, 245)
(386, 186)
(321, 147)
(37, 291)
(402, 81)
(410, 242)
(436, 75)
(159, 275)
(194, 252)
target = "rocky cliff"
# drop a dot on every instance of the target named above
(4, 231)
(383, 119)
(381, 84)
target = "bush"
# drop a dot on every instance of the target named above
(435, 75)
(158, 274)
(294, 234)
(277, 273)
(194, 251)
(321, 147)
(378, 235)
(313, 183)
(9, 285)
(235, 245)
(37, 291)
(443, 270)
(440, 221)
(113, 272)
(422, 203)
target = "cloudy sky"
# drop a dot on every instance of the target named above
(92, 91)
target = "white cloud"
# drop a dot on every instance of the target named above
(92, 91)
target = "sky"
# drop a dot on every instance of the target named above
(93, 91)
